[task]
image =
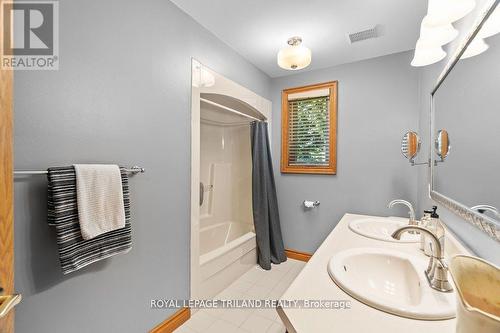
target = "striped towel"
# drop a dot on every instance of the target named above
(74, 251)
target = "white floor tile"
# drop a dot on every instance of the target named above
(200, 321)
(185, 329)
(260, 291)
(284, 267)
(257, 324)
(289, 277)
(236, 316)
(240, 285)
(230, 294)
(254, 284)
(272, 278)
(267, 313)
(216, 313)
(299, 264)
(221, 326)
(278, 291)
(254, 274)
(276, 328)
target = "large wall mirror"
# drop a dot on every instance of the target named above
(465, 129)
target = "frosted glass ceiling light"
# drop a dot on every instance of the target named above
(426, 54)
(442, 12)
(476, 47)
(437, 35)
(295, 56)
(492, 25)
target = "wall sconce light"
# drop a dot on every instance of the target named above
(427, 54)
(448, 11)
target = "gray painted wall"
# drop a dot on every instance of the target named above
(122, 95)
(377, 102)
(473, 238)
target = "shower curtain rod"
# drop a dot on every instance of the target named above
(219, 123)
(228, 109)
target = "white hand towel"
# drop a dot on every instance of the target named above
(99, 196)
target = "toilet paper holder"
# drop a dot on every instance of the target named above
(311, 204)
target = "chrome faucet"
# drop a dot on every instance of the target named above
(412, 220)
(437, 271)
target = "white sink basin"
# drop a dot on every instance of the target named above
(381, 229)
(390, 281)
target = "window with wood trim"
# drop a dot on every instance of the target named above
(309, 129)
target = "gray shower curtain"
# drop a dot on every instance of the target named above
(270, 248)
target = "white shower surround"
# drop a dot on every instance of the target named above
(215, 269)
(227, 250)
(227, 241)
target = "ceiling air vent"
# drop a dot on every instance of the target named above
(365, 34)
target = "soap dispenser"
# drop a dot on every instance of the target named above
(436, 227)
(424, 221)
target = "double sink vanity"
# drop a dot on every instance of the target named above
(380, 278)
(375, 264)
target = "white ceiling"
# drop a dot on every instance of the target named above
(257, 29)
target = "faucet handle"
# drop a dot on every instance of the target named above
(438, 277)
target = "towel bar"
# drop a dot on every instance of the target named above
(135, 169)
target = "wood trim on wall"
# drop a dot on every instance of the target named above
(297, 255)
(330, 169)
(173, 322)
(6, 180)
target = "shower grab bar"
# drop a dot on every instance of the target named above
(132, 170)
(228, 109)
(202, 193)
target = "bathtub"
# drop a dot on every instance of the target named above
(227, 250)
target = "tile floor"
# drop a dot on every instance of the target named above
(254, 284)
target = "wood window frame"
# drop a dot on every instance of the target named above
(331, 168)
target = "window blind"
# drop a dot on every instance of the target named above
(309, 131)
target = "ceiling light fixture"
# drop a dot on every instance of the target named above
(295, 56)
(442, 12)
(476, 47)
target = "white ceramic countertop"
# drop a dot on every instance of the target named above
(314, 283)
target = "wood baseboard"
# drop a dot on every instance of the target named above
(297, 255)
(173, 322)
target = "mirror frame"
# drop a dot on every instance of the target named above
(486, 224)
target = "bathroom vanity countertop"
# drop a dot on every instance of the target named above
(314, 283)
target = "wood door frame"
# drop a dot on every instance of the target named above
(6, 192)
